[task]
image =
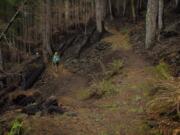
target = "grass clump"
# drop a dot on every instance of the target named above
(163, 70)
(114, 68)
(104, 87)
(98, 90)
(16, 128)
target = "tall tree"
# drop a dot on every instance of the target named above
(124, 7)
(110, 9)
(151, 22)
(99, 15)
(47, 51)
(67, 8)
(133, 10)
(160, 14)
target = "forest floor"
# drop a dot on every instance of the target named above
(121, 112)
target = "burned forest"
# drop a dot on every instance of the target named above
(89, 67)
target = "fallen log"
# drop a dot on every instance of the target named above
(31, 73)
(25, 76)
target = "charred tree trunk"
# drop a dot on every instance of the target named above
(151, 22)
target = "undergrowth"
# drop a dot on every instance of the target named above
(16, 128)
(114, 68)
(163, 70)
(98, 90)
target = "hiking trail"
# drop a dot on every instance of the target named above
(119, 114)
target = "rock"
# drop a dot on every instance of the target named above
(51, 106)
(152, 123)
(71, 114)
(23, 100)
(26, 98)
(51, 101)
(32, 109)
(55, 109)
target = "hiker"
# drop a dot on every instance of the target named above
(56, 60)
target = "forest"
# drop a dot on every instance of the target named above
(89, 67)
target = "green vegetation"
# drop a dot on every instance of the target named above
(98, 90)
(16, 128)
(163, 70)
(115, 68)
(104, 87)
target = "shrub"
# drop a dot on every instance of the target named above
(104, 87)
(98, 90)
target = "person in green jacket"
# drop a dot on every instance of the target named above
(56, 60)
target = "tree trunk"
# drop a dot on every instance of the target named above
(99, 15)
(133, 10)
(67, 8)
(160, 15)
(47, 51)
(118, 7)
(1, 60)
(176, 3)
(151, 22)
(110, 9)
(124, 7)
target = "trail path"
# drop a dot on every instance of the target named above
(120, 114)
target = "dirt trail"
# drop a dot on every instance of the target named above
(120, 114)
